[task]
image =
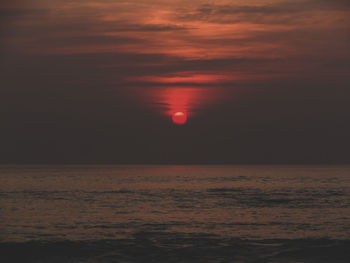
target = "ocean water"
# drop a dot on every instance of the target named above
(175, 213)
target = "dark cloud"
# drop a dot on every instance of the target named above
(287, 12)
(88, 40)
(20, 12)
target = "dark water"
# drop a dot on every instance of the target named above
(175, 214)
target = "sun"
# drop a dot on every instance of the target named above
(179, 118)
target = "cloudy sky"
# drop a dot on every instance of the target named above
(258, 81)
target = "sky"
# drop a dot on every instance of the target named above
(175, 82)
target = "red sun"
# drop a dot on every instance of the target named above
(179, 118)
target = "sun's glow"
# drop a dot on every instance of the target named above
(179, 118)
(179, 103)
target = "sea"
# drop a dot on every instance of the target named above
(163, 213)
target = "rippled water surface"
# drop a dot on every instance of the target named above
(163, 204)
